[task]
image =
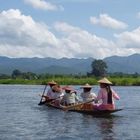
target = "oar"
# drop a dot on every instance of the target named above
(49, 100)
(42, 96)
(66, 108)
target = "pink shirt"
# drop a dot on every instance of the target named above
(102, 95)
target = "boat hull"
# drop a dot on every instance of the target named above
(96, 112)
(80, 109)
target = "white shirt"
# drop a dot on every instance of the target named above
(50, 93)
(57, 95)
(86, 96)
(70, 98)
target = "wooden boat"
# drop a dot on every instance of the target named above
(84, 108)
(96, 112)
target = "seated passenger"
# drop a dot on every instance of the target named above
(106, 95)
(70, 97)
(87, 94)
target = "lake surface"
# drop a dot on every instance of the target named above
(22, 119)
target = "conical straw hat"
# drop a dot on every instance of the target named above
(68, 88)
(52, 83)
(57, 88)
(86, 86)
(105, 81)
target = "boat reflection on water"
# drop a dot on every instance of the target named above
(102, 127)
(107, 129)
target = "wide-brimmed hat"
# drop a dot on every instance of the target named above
(52, 83)
(86, 86)
(57, 88)
(105, 81)
(68, 88)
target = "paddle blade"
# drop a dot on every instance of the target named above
(41, 103)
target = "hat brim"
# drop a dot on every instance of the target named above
(105, 82)
(52, 83)
(86, 87)
(68, 88)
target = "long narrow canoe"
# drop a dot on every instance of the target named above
(79, 108)
(97, 112)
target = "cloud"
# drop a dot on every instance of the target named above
(84, 44)
(21, 32)
(129, 39)
(43, 5)
(22, 36)
(107, 21)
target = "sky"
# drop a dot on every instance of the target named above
(69, 28)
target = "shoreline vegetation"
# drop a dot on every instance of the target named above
(99, 68)
(73, 80)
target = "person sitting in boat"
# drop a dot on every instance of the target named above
(87, 94)
(107, 95)
(57, 95)
(70, 97)
(50, 92)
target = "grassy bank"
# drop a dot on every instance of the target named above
(124, 81)
(61, 81)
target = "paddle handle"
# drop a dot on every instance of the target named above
(43, 93)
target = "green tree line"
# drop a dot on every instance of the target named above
(98, 70)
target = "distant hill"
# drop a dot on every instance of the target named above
(45, 65)
(129, 64)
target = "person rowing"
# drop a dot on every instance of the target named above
(57, 95)
(54, 93)
(50, 92)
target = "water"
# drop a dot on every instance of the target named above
(22, 119)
